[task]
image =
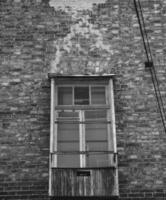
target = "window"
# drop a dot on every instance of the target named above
(82, 122)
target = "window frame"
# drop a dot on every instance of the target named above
(82, 123)
(107, 81)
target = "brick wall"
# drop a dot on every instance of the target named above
(30, 34)
(27, 29)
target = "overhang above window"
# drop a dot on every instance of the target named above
(63, 79)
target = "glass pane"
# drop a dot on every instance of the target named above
(68, 146)
(68, 132)
(96, 146)
(96, 115)
(64, 95)
(96, 131)
(96, 126)
(96, 138)
(68, 139)
(68, 126)
(81, 95)
(68, 161)
(98, 95)
(68, 115)
(98, 160)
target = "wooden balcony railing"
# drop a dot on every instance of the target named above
(85, 182)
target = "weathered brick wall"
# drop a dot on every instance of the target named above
(27, 29)
(141, 140)
(28, 34)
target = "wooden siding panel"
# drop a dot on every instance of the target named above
(67, 182)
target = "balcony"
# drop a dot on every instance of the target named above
(85, 182)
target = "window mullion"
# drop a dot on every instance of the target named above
(112, 114)
(51, 133)
(54, 126)
(109, 139)
(55, 132)
(73, 95)
(82, 140)
(90, 97)
(55, 145)
(107, 96)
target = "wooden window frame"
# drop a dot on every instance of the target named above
(81, 108)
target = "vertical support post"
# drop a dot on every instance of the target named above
(55, 126)
(109, 129)
(90, 96)
(109, 139)
(113, 126)
(82, 140)
(52, 105)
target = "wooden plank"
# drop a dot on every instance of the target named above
(81, 81)
(113, 115)
(55, 131)
(80, 76)
(99, 183)
(82, 140)
(82, 107)
(90, 95)
(52, 105)
(114, 133)
(110, 138)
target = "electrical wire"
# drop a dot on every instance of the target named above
(153, 73)
(143, 23)
(150, 60)
(141, 30)
(153, 67)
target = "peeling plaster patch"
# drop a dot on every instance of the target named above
(84, 49)
(75, 4)
(83, 32)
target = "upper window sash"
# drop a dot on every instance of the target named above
(81, 95)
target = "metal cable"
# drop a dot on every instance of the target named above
(153, 67)
(141, 30)
(152, 70)
(150, 59)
